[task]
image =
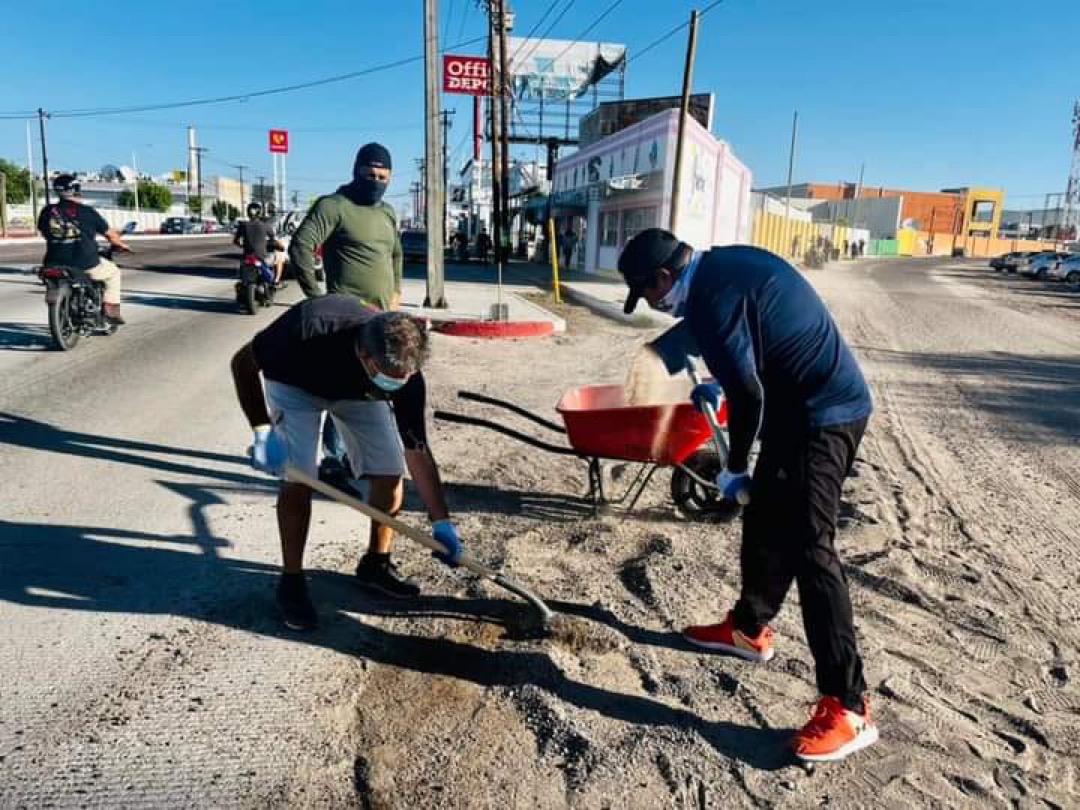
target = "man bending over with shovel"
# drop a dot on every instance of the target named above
(787, 375)
(333, 356)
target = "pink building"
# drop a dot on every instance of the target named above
(610, 190)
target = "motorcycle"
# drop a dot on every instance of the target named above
(76, 304)
(255, 285)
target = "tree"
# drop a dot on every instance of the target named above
(224, 212)
(18, 181)
(152, 197)
(194, 205)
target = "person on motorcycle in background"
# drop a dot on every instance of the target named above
(71, 229)
(258, 240)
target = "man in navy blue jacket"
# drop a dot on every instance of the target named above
(791, 381)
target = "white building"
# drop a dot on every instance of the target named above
(618, 186)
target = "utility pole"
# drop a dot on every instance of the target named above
(446, 124)
(684, 114)
(436, 293)
(135, 168)
(42, 115)
(3, 204)
(858, 195)
(421, 210)
(504, 136)
(493, 111)
(198, 171)
(30, 169)
(790, 171)
(240, 168)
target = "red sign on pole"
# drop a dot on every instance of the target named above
(279, 141)
(466, 75)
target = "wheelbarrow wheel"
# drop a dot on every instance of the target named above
(695, 500)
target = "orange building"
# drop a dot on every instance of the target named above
(963, 211)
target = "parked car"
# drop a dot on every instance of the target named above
(181, 225)
(1018, 261)
(1003, 261)
(130, 227)
(1041, 264)
(1068, 269)
(414, 244)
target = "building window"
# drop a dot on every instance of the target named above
(609, 229)
(636, 220)
(983, 211)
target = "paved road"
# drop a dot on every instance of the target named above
(142, 664)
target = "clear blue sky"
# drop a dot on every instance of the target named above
(928, 94)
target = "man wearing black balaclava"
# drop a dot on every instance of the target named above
(358, 234)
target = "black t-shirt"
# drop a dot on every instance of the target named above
(71, 231)
(256, 236)
(313, 347)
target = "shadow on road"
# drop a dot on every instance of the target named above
(200, 270)
(24, 337)
(128, 570)
(1025, 393)
(191, 303)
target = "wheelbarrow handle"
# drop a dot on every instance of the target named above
(742, 497)
(509, 406)
(459, 419)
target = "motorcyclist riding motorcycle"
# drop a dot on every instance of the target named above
(257, 237)
(71, 229)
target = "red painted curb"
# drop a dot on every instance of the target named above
(495, 329)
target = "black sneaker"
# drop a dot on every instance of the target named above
(295, 605)
(377, 573)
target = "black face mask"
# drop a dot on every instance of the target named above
(366, 191)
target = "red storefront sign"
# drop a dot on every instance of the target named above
(279, 141)
(466, 75)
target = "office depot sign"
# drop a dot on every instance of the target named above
(466, 75)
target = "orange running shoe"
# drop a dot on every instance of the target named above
(727, 639)
(834, 732)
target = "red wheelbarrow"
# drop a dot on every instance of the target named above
(599, 426)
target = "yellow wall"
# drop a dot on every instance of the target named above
(918, 242)
(769, 232)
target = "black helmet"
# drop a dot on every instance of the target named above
(66, 185)
(254, 210)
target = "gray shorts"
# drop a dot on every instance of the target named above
(367, 428)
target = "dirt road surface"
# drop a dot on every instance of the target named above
(143, 664)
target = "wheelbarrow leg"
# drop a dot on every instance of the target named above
(596, 485)
(638, 490)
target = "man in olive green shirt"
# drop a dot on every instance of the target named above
(358, 233)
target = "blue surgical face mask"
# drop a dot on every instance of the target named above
(387, 383)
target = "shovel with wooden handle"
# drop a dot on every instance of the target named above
(544, 613)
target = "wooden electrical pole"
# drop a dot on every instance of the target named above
(436, 293)
(684, 113)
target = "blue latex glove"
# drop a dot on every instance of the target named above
(445, 533)
(734, 486)
(268, 450)
(703, 393)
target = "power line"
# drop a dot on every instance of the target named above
(671, 33)
(592, 25)
(547, 30)
(93, 112)
(532, 30)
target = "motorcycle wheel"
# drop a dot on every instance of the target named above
(248, 300)
(65, 334)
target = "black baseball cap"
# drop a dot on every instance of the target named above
(650, 249)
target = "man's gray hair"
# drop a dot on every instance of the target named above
(397, 342)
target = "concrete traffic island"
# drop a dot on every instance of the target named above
(471, 308)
